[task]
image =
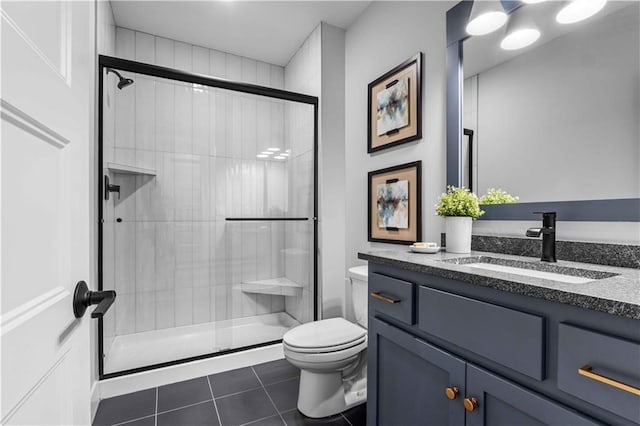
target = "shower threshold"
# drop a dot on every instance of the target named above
(147, 348)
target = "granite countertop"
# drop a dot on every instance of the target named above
(616, 295)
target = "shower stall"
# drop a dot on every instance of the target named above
(207, 215)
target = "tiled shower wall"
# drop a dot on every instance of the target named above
(173, 259)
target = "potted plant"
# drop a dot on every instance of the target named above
(459, 206)
(497, 196)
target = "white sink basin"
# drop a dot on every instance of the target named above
(544, 270)
(570, 279)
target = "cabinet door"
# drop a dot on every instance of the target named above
(500, 402)
(408, 378)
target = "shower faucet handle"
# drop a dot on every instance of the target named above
(109, 187)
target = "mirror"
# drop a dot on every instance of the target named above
(555, 123)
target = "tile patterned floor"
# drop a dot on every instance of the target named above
(260, 395)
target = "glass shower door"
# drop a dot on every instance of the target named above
(208, 230)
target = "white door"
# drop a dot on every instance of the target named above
(48, 64)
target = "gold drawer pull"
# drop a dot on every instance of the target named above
(586, 370)
(451, 392)
(384, 298)
(470, 404)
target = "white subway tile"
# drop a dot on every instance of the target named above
(184, 255)
(263, 251)
(125, 313)
(222, 299)
(263, 304)
(165, 116)
(125, 130)
(125, 206)
(263, 74)
(164, 52)
(236, 303)
(220, 200)
(220, 117)
(145, 48)
(163, 198)
(183, 306)
(108, 254)
(201, 120)
(145, 104)
(219, 250)
(249, 128)
(165, 253)
(277, 77)
(249, 70)
(234, 67)
(165, 309)
(201, 188)
(200, 60)
(201, 305)
(201, 258)
(183, 123)
(125, 44)
(249, 304)
(183, 186)
(235, 122)
(182, 56)
(145, 311)
(218, 63)
(145, 257)
(277, 303)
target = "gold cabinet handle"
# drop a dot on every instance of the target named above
(451, 392)
(384, 298)
(470, 404)
(587, 371)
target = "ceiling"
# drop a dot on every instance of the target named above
(269, 31)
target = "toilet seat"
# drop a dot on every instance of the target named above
(328, 335)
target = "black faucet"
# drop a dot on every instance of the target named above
(548, 232)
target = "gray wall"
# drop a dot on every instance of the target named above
(385, 35)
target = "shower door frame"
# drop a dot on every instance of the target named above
(189, 77)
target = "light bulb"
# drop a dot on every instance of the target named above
(579, 10)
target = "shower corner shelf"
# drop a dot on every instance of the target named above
(129, 170)
(276, 286)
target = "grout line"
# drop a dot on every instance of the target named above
(257, 420)
(132, 420)
(345, 417)
(268, 396)
(184, 406)
(156, 413)
(214, 402)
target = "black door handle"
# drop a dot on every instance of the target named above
(83, 298)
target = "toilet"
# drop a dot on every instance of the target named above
(332, 356)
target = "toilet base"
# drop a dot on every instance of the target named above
(324, 394)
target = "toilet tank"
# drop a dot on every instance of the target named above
(358, 275)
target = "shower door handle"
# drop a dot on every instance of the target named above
(83, 298)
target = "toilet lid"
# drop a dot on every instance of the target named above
(323, 334)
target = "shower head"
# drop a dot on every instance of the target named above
(124, 82)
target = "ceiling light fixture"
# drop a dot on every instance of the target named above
(521, 32)
(486, 17)
(579, 10)
(267, 153)
(262, 156)
(279, 157)
(273, 149)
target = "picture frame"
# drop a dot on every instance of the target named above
(395, 204)
(394, 114)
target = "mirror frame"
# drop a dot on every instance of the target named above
(611, 210)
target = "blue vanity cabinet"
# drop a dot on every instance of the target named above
(499, 402)
(512, 359)
(408, 380)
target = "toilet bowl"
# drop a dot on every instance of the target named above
(332, 357)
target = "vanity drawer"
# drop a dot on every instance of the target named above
(613, 362)
(391, 296)
(512, 338)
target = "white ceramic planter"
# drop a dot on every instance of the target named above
(458, 229)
